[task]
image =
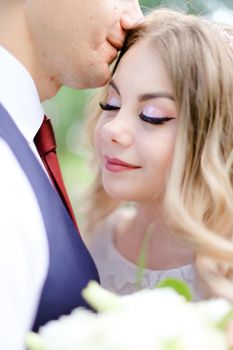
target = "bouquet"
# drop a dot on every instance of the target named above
(158, 319)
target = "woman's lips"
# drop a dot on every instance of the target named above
(117, 165)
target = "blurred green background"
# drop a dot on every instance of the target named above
(66, 109)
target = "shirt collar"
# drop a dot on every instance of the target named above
(19, 96)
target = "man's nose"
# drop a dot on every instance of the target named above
(131, 16)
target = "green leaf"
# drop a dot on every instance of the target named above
(226, 320)
(172, 344)
(143, 255)
(179, 286)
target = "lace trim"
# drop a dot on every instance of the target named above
(119, 275)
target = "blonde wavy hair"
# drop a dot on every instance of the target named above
(198, 200)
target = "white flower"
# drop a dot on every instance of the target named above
(158, 319)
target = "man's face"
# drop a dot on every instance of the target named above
(76, 40)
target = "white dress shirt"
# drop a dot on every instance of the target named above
(23, 243)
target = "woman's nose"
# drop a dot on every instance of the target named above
(116, 131)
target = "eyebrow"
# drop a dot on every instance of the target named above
(145, 97)
(159, 94)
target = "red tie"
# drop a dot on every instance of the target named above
(46, 145)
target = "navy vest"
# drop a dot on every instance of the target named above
(70, 264)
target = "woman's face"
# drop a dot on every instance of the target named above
(135, 134)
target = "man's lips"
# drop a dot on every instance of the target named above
(113, 52)
(115, 164)
(117, 44)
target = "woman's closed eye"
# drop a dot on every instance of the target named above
(108, 107)
(154, 120)
(154, 115)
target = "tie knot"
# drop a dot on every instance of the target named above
(45, 139)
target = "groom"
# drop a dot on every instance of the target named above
(45, 44)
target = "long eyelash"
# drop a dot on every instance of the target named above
(107, 107)
(155, 121)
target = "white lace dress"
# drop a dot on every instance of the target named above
(119, 275)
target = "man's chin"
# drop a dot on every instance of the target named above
(102, 79)
(93, 79)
